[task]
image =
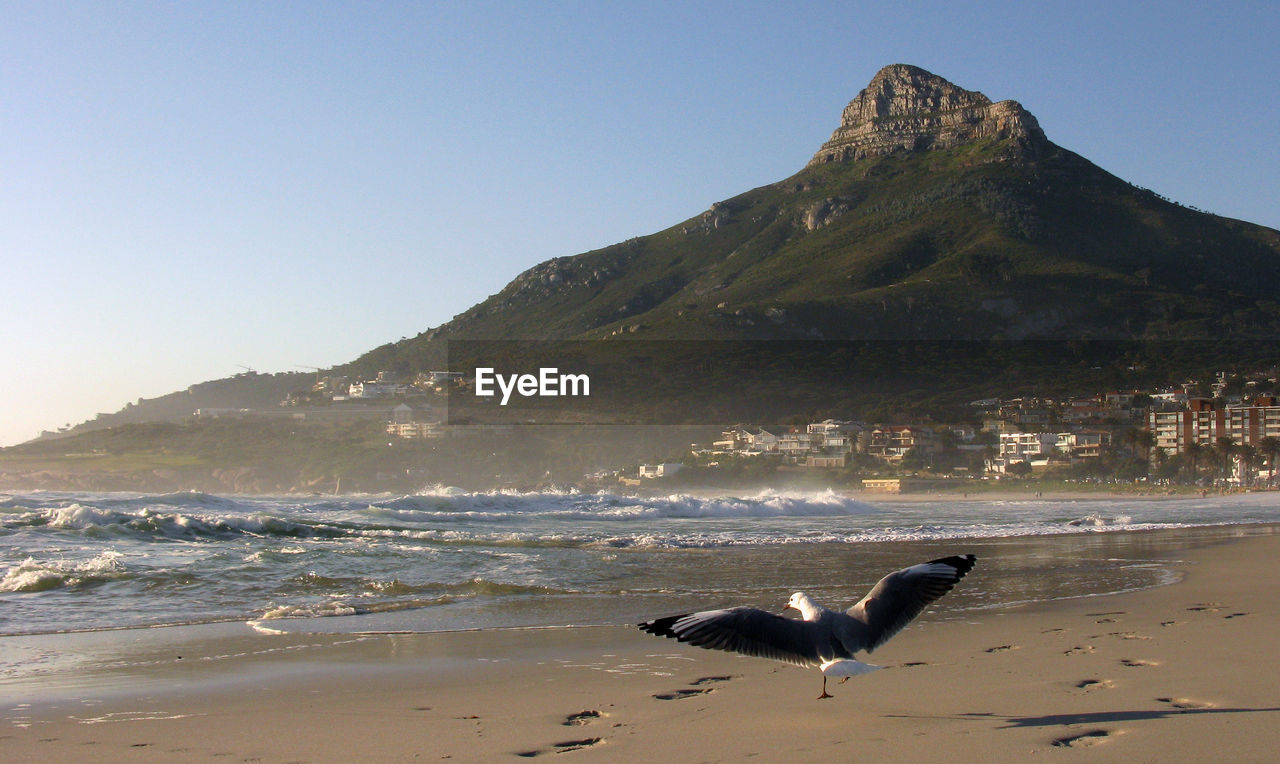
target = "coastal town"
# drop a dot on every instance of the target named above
(1221, 431)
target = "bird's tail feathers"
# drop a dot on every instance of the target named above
(847, 668)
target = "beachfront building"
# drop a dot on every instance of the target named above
(418, 430)
(746, 441)
(1085, 444)
(893, 442)
(1203, 423)
(824, 444)
(730, 441)
(795, 445)
(1027, 446)
(833, 434)
(762, 441)
(651, 471)
(826, 461)
(415, 423)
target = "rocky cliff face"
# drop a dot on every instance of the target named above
(905, 108)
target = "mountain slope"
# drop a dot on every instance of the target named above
(932, 213)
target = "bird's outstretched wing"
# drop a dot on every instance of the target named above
(901, 595)
(754, 632)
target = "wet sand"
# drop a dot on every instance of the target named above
(1175, 673)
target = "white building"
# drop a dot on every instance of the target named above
(659, 470)
(1027, 446)
(1085, 444)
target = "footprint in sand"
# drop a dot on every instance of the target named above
(695, 688)
(1001, 648)
(1092, 737)
(1235, 615)
(1185, 704)
(711, 680)
(680, 694)
(1136, 663)
(1167, 624)
(1127, 635)
(1094, 684)
(563, 747)
(1079, 650)
(580, 718)
(1206, 607)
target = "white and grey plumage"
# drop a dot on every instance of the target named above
(824, 638)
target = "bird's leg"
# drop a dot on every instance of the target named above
(824, 689)
(844, 679)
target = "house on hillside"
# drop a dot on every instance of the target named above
(1085, 444)
(761, 441)
(795, 445)
(893, 442)
(411, 422)
(651, 471)
(1027, 446)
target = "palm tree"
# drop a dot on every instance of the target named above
(1248, 456)
(1226, 446)
(1270, 447)
(1158, 458)
(1194, 451)
(1144, 439)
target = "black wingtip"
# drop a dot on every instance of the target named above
(963, 563)
(661, 626)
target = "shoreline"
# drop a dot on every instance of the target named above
(338, 625)
(958, 492)
(1160, 673)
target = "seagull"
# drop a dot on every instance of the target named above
(824, 638)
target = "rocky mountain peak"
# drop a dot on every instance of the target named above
(905, 108)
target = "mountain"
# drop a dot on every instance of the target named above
(931, 213)
(938, 249)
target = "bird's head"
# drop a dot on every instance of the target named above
(804, 603)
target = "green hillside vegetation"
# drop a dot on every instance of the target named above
(930, 245)
(248, 390)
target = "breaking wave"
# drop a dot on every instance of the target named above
(32, 575)
(446, 557)
(426, 516)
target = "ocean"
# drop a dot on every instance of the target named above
(447, 559)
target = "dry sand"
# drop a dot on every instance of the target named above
(1178, 673)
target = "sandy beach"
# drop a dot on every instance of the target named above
(1174, 673)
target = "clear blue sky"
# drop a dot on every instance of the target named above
(189, 187)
